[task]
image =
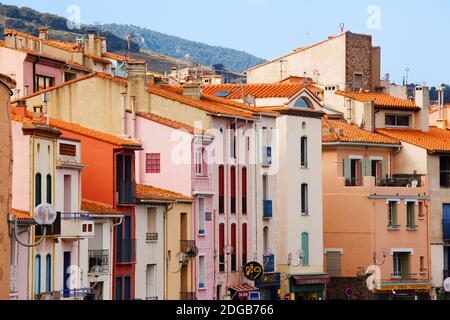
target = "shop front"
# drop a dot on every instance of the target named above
(269, 285)
(402, 291)
(308, 286)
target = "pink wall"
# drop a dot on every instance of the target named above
(41, 69)
(12, 64)
(21, 168)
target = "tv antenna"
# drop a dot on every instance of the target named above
(342, 26)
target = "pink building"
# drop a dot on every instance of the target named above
(177, 160)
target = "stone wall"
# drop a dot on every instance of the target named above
(337, 287)
(359, 59)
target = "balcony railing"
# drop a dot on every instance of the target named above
(125, 192)
(99, 258)
(53, 230)
(152, 298)
(353, 182)
(185, 296)
(267, 156)
(189, 248)
(268, 208)
(398, 275)
(446, 229)
(151, 237)
(401, 181)
(126, 251)
(269, 263)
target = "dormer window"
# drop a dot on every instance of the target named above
(397, 120)
(302, 103)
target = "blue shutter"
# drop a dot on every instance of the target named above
(305, 248)
(127, 289)
(118, 288)
(37, 274)
(48, 273)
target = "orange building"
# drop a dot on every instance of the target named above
(375, 218)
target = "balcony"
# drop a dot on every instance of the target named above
(269, 263)
(126, 251)
(446, 229)
(186, 296)
(267, 211)
(69, 225)
(202, 183)
(399, 275)
(400, 181)
(353, 182)
(99, 258)
(189, 248)
(126, 191)
(151, 237)
(267, 156)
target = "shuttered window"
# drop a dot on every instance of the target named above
(305, 248)
(67, 149)
(334, 264)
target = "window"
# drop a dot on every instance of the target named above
(301, 103)
(423, 268)
(221, 189)
(201, 272)
(377, 169)
(151, 281)
(392, 214)
(43, 82)
(244, 190)
(201, 216)
(124, 176)
(37, 274)
(305, 199)
(127, 288)
(411, 215)
(153, 163)
(353, 172)
(67, 149)
(357, 81)
(199, 161)
(49, 189)
(151, 220)
(68, 76)
(444, 163)
(401, 261)
(119, 288)
(67, 193)
(233, 141)
(48, 273)
(221, 247)
(396, 120)
(244, 244)
(38, 189)
(305, 248)
(266, 240)
(334, 266)
(233, 189)
(304, 152)
(233, 244)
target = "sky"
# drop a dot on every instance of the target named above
(412, 34)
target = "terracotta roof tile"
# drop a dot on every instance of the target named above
(63, 45)
(97, 208)
(336, 130)
(22, 215)
(145, 192)
(263, 90)
(96, 58)
(119, 57)
(77, 129)
(381, 100)
(436, 140)
(168, 122)
(203, 104)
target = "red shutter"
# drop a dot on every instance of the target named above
(244, 182)
(244, 238)
(233, 181)
(221, 238)
(221, 181)
(233, 237)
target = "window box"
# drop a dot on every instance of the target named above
(201, 286)
(201, 232)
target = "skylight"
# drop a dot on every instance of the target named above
(222, 94)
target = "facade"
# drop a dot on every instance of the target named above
(387, 237)
(347, 60)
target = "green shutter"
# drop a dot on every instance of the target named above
(394, 214)
(347, 168)
(305, 248)
(367, 168)
(383, 169)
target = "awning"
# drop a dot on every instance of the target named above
(309, 279)
(242, 291)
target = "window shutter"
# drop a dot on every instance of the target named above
(305, 248)
(394, 214)
(367, 168)
(383, 169)
(347, 168)
(334, 264)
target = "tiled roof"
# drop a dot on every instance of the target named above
(381, 100)
(167, 122)
(336, 130)
(121, 81)
(22, 215)
(96, 58)
(97, 208)
(63, 45)
(263, 90)
(298, 50)
(203, 104)
(77, 129)
(436, 140)
(145, 192)
(119, 57)
(297, 79)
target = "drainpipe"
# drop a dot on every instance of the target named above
(166, 262)
(349, 110)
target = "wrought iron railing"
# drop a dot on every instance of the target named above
(400, 180)
(189, 248)
(99, 258)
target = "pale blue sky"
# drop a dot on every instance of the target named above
(411, 33)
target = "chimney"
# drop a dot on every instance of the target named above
(21, 108)
(37, 112)
(369, 116)
(422, 100)
(43, 33)
(93, 44)
(442, 121)
(192, 90)
(137, 86)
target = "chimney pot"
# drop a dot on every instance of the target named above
(21, 108)
(192, 90)
(43, 33)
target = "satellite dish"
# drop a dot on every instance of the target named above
(45, 214)
(447, 285)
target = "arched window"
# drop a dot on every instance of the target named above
(38, 189)
(49, 189)
(304, 197)
(304, 152)
(244, 190)
(37, 274)
(48, 273)
(302, 103)
(305, 248)
(221, 189)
